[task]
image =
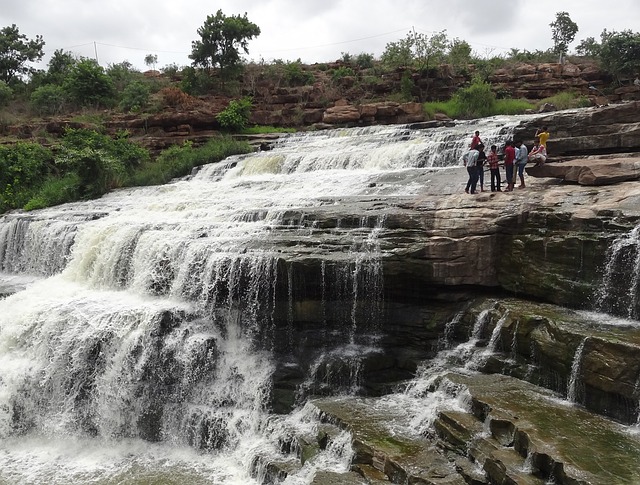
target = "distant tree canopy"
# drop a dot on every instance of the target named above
(563, 31)
(15, 51)
(221, 39)
(620, 53)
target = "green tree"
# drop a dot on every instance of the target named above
(134, 97)
(59, 67)
(16, 50)
(151, 60)
(399, 54)
(459, 53)
(48, 99)
(589, 47)
(6, 93)
(563, 31)
(88, 85)
(221, 39)
(236, 115)
(620, 53)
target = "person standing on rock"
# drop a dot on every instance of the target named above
(543, 135)
(482, 158)
(475, 141)
(509, 157)
(470, 160)
(494, 169)
(522, 157)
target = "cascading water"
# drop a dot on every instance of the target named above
(141, 347)
(619, 291)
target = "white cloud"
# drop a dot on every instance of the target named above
(312, 31)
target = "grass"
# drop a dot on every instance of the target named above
(567, 100)
(261, 130)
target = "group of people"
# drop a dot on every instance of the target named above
(516, 157)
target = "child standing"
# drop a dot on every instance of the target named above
(492, 158)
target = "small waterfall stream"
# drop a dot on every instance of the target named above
(622, 269)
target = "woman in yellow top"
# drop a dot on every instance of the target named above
(543, 135)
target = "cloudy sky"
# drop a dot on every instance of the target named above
(312, 30)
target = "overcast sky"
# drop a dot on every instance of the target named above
(313, 30)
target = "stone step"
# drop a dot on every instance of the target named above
(400, 455)
(561, 441)
(538, 342)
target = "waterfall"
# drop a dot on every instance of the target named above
(142, 339)
(573, 388)
(618, 292)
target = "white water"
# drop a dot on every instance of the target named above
(144, 307)
(622, 267)
(575, 377)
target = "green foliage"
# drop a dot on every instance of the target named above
(100, 162)
(236, 115)
(122, 74)
(151, 60)
(260, 130)
(16, 51)
(567, 100)
(88, 85)
(295, 75)
(364, 60)
(221, 39)
(58, 69)
(563, 31)
(588, 47)
(54, 191)
(399, 54)
(97, 170)
(195, 81)
(512, 106)
(48, 99)
(476, 101)
(134, 97)
(342, 71)
(531, 57)
(128, 153)
(406, 86)
(178, 161)
(6, 93)
(620, 53)
(23, 166)
(454, 109)
(459, 53)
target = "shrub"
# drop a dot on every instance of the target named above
(88, 85)
(342, 71)
(6, 93)
(236, 115)
(48, 99)
(55, 191)
(23, 166)
(364, 60)
(295, 75)
(134, 97)
(478, 100)
(406, 86)
(178, 161)
(566, 100)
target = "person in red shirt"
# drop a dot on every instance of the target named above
(492, 158)
(509, 157)
(475, 141)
